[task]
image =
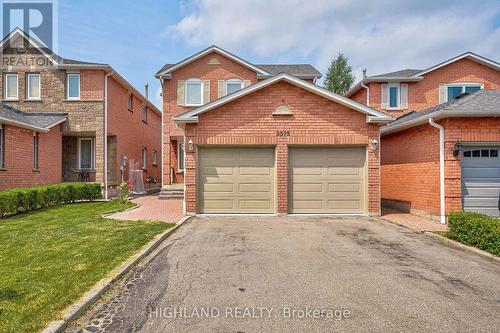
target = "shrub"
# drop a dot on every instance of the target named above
(475, 229)
(124, 190)
(25, 199)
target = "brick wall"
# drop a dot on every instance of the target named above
(410, 162)
(425, 94)
(18, 171)
(410, 168)
(131, 133)
(223, 69)
(315, 121)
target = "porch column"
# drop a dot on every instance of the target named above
(282, 175)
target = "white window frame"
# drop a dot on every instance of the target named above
(393, 85)
(179, 144)
(192, 81)
(67, 86)
(233, 81)
(463, 85)
(28, 86)
(130, 101)
(92, 145)
(144, 158)
(155, 158)
(6, 87)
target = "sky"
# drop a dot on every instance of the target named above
(139, 37)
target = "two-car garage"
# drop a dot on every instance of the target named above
(321, 179)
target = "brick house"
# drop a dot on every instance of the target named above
(266, 139)
(95, 102)
(441, 153)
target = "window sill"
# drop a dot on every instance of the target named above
(32, 100)
(9, 100)
(192, 105)
(179, 171)
(35, 170)
(83, 100)
(131, 110)
(84, 170)
(3, 169)
(144, 121)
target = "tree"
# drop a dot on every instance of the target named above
(339, 77)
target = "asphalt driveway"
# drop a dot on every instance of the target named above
(259, 274)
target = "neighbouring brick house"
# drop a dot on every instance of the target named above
(266, 139)
(92, 98)
(429, 103)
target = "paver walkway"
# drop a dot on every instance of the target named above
(152, 208)
(414, 222)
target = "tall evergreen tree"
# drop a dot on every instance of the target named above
(339, 77)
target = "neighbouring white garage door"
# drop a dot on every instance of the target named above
(327, 180)
(481, 180)
(236, 180)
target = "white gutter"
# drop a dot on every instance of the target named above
(441, 169)
(367, 93)
(106, 134)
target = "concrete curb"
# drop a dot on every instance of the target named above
(90, 297)
(458, 245)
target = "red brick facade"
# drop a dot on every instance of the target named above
(212, 67)
(410, 162)
(315, 121)
(425, 93)
(18, 164)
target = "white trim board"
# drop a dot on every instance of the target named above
(206, 51)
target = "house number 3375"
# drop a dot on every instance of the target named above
(282, 133)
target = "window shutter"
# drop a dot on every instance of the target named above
(404, 96)
(443, 93)
(384, 97)
(180, 92)
(246, 83)
(206, 91)
(221, 88)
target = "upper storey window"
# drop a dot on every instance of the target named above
(33, 86)
(233, 85)
(73, 86)
(394, 96)
(454, 90)
(194, 92)
(11, 87)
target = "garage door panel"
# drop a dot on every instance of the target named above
(308, 187)
(216, 171)
(332, 182)
(254, 205)
(255, 187)
(308, 205)
(481, 172)
(481, 181)
(342, 188)
(220, 187)
(353, 171)
(244, 185)
(344, 205)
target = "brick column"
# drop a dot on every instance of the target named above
(99, 155)
(282, 175)
(190, 179)
(373, 172)
(167, 161)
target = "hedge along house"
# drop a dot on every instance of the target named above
(282, 145)
(445, 158)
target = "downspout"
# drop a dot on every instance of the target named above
(441, 169)
(366, 87)
(106, 134)
(162, 143)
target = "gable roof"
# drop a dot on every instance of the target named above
(412, 75)
(263, 71)
(372, 115)
(37, 121)
(64, 63)
(483, 103)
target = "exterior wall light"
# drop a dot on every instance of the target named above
(374, 144)
(190, 145)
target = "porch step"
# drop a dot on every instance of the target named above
(172, 192)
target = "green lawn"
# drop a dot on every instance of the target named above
(49, 258)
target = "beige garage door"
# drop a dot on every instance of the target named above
(236, 180)
(327, 180)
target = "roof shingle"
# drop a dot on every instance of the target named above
(41, 120)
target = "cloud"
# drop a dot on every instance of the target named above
(382, 35)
